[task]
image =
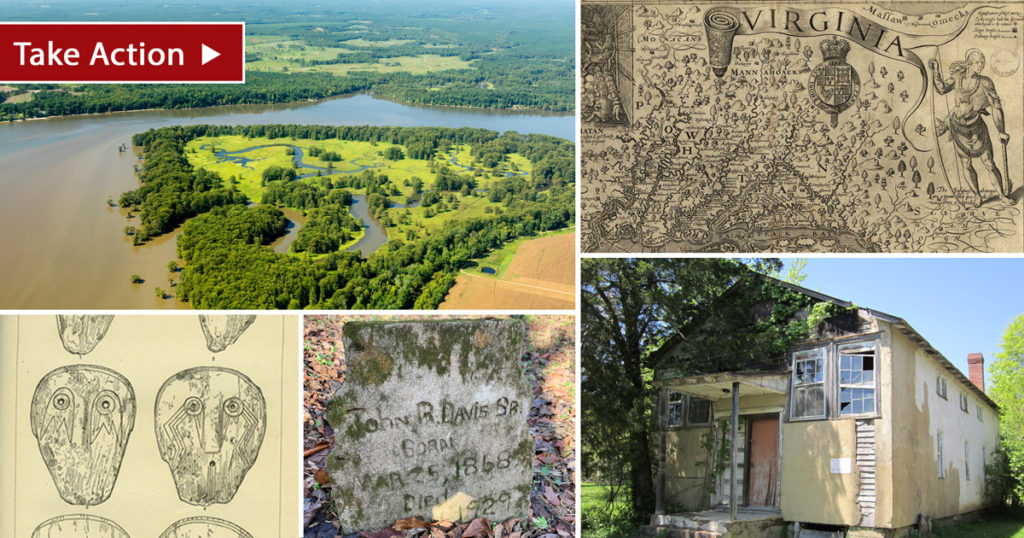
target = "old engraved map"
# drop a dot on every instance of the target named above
(802, 127)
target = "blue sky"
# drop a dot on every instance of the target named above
(960, 305)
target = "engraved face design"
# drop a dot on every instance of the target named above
(79, 526)
(209, 425)
(204, 527)
(82, 416)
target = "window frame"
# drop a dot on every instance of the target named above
(668, 409)
(689, 409)
(822, 369)
(940, 387)
(684, 411)
(831, 353)
(938, 455)
(965, 404)
(852, 349)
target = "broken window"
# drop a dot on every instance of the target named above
(675, 409)
(699, 411)
(857, 382)
(809, 383)
(837, 380)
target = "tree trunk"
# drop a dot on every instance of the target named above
(642, 481)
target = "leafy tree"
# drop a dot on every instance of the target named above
(628, 308)
(394, 153)
(136, 279)
(1008, 391)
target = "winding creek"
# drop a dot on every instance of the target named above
(63, 244)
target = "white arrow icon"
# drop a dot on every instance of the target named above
(209, 54)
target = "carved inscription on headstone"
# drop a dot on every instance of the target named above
(431, 423)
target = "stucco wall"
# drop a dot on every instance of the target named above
(921, 414)
(684, 479)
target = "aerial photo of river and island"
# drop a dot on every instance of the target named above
(380, 156)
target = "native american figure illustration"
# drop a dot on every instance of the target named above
(975, 97)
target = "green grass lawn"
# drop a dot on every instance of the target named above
(1010, 525)
(592, 500)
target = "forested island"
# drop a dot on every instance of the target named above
(501, 56)
(444, 197)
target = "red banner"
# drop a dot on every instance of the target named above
(122, 52)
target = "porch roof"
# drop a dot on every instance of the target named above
(717, 386)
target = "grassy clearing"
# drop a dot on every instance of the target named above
(1009, 525)
(248, 177)
(20, 97)
(360, 42)
(258, 39)
(288, 60)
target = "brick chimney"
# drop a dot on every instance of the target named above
(976, 366)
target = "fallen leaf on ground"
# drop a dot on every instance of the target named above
(410, 523)
(478, 528)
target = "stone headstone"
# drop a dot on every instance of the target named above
(431, 423)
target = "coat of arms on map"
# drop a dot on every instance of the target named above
(834, 84)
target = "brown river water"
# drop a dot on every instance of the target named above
(63, 246)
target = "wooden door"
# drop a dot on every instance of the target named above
(764, 461)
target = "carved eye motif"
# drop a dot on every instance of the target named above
(193, 406)
(233, 407)
(106, 403)
(62, 399)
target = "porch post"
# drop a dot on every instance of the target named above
(733, 449)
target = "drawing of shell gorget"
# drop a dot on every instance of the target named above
(81, 417)
(79, 526)
(223, 330)
(204, 527)
(210, 424)
(80, 334)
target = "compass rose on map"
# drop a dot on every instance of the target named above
(834, 84)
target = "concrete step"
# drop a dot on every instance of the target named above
(676, 532)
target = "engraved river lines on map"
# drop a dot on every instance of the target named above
(676, 158)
